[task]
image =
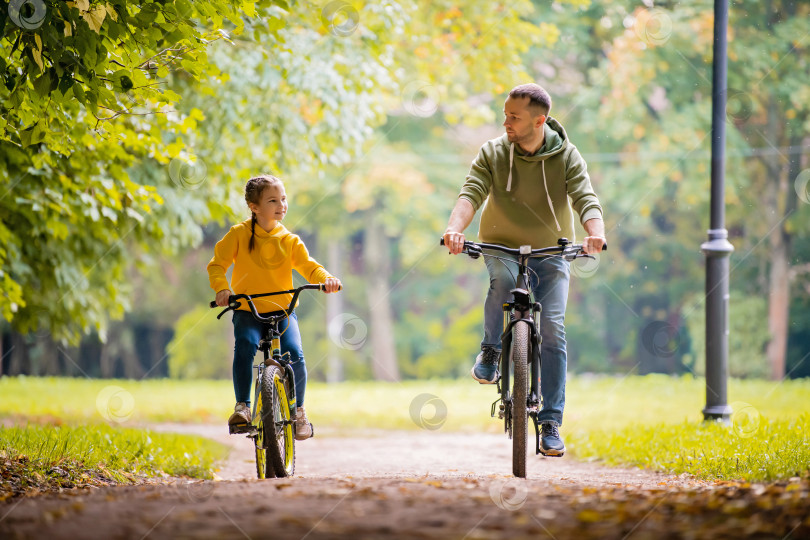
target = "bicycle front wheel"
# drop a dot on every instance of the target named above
(262, 470)
(520, 385)
(278, 429)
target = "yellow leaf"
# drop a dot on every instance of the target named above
(174, 148)
(37, 54)
(589, 516)
(68, 29)
(39, 41)
(83, 5)
(95, 18)
(249, 8)
(111, 12)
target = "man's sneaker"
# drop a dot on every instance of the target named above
(241, 414)
(303, 429)
(551, 444)
(485, 370)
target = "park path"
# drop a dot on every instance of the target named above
(420, 484)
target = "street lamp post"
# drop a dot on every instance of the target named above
(718, 249)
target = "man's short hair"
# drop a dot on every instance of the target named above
(539, 99)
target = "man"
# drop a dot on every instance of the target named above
(529, 181)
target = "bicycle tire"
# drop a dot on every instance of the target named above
(520, 385)
(278, 430)
(262, 471)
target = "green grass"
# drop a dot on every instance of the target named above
(651, 421)
(48, 457)
(121, 450)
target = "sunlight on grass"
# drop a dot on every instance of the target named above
(118, 452)
(650, 421)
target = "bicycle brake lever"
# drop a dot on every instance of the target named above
(231, 306)
(474, 252)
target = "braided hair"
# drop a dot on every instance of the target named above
(253, 195)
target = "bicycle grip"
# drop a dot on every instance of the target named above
(322, 287)
(213, 304)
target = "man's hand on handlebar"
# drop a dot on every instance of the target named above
(593, 244)
(454, 241)
(222, 297)
(330, 285)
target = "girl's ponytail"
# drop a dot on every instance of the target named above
(252, 232)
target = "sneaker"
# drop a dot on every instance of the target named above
(485, 370)
(303, 429)
(241, 414)
(551, 444)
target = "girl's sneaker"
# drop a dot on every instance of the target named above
(241, 414)
(303, 429)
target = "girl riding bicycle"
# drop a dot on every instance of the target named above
(264, 254)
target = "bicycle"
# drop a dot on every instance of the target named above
(520, 346)
(274, 394)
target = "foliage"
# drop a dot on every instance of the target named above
(84, 98)
(201, 348)
(62, 456)
(632, 84)
(746, 341)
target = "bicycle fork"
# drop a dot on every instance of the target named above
(530, 314)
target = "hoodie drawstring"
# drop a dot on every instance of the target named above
(548, 195)
(511, 160)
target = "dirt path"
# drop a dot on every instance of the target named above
(413, 485)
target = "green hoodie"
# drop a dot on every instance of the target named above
(527, 199)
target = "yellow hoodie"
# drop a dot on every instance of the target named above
(268, 268)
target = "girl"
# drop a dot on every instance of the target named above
(264, 253)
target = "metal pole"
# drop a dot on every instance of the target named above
(717, 249)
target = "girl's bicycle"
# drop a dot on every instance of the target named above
(274, 391)
(520, 346)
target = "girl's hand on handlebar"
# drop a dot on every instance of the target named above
(454, 241)
(593, 244)
(332, 285)
(222, 297)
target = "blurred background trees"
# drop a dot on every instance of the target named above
(130, 129)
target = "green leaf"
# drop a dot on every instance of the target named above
(42, 84)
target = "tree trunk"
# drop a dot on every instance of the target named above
(381, 324)
(17, 354)
(105, 361)
(778, 306)
(783, 203)
(334, 307)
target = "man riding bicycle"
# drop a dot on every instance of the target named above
(529, 181)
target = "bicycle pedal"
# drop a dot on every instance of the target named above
(238, 428)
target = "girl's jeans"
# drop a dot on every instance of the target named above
(550, 288)
(247, 331)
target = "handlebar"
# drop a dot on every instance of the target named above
(233, 300)
(564, 248)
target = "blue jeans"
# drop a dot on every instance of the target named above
(247, 332)
(550, 288)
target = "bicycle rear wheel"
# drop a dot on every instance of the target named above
(278, 429)
(520, 385)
